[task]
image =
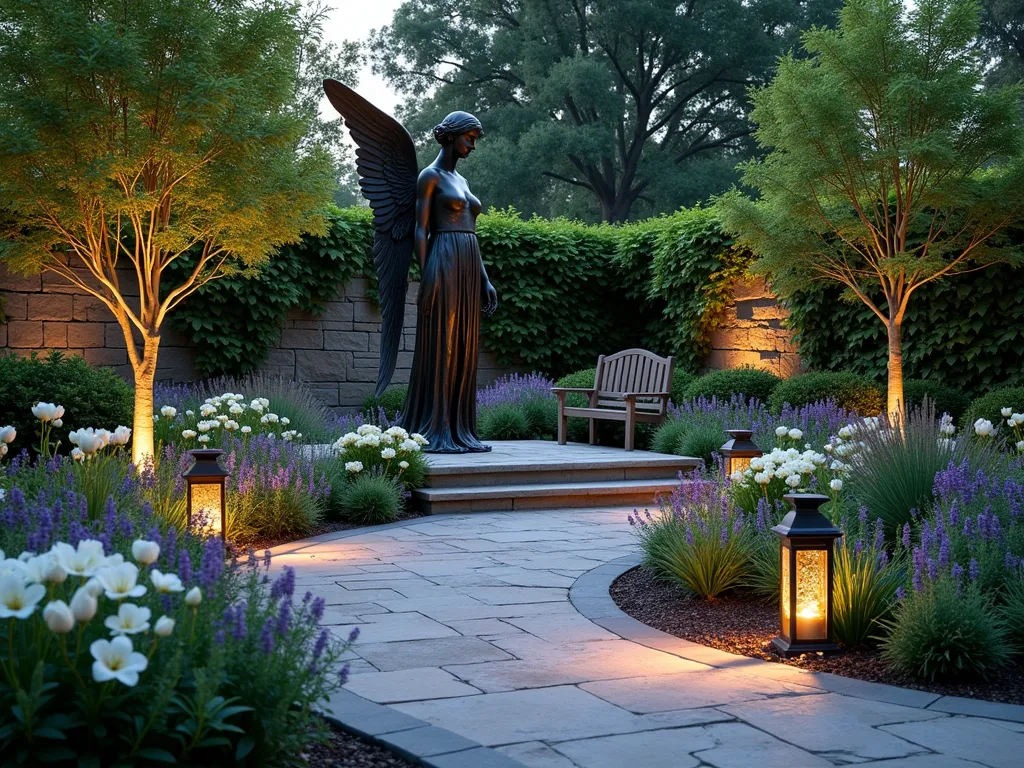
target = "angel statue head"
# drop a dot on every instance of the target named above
(457, 125)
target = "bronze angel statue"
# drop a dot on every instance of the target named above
(433, 213)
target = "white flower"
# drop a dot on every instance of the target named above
(836, 485)
(368, 429)
(1007, 412)
(386, 439)
(45, 569)
(762, 478)
(269, 418)
(285, 421)
(236, 409)
(168, 411)
(371, 441)
(120, 581)
(736, 477)
(47, 411)
(387, 453)
(793, 481)
(846, 433)
(354, 467)
(396, 432)
(87, 439)
(246, 430)
(3, 450)
(188, 434)
(58, 617)
(83, 561)
(1016, 419)
(350, 438)
(409, 446)
(18, 601)
(193, 597)
(84, 604)
(204, 438)
(403, 464)
(145, 552)
(121, 436)
(1020, 446)
(130, 620)
(190, 413)
(164, 626)
(7, 434)
(223, 418)
(257, 406)
(207, 410)
(116, 660)
(419, 439)
(781, 431)
(983, 428)
(795, 434)
(165, 582)
(230, 425)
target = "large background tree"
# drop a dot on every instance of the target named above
(134, 131)
(605, 109)
(1002, 39)
(889, 165)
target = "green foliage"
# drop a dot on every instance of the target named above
(989, 406)
(542, 417)
(943, 399)
(964, 333)
(701, 441)
(92, 397)
(698, 545)
(865, 581)
(577, 122)
(847, 390)
(371, 499)
(669, 433)
(505, 421)
(946, 632)
(1013, 614)
(747, 381)
(391, 400)
(235, 320)
(363, 451)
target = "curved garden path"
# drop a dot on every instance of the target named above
(476, 650)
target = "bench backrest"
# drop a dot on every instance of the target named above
(632, 370)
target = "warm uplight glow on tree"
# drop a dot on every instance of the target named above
(137, 133)
(889, 166)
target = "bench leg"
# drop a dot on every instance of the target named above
(563, 426)
(593, 431)
(630, 426)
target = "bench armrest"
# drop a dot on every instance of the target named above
(584, 390)
(634, 395)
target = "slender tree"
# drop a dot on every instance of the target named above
(132, 131)
(888, 164)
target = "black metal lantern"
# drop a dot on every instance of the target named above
(737, 453)
(205, 494)
(807, 544)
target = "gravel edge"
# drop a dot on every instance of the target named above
(590, 595)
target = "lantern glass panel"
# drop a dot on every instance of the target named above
(206, 503)
(811, 594)
(784, 592)
(738, 463)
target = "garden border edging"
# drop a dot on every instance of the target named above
(591, 596)
(403, 734)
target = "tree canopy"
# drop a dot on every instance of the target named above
(605, 109)
(888, 164)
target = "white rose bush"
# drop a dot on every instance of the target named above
(127, 642)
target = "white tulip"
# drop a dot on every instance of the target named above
(58, 423)
(836, 485)
(409, 446)
(354, 467)
(1017, 419)
(736, 477)
(236, 409)
(145, 552)
(165, 582)
(116, 660)
(46, 569)
(403, 464)
(121, 436)
(246, 430)
(795, 434)
(285, 421)
(83, 604)
(207, 410)
(83, 561)
(781, 431)
(58, 617)
(387, 453)
(190, 413)
(983, 428)
(188, 434)
(204, 438)
(130, 620)
(762, 478)
(164, 626)
(120, 581)
(793, 481)
(18, 601)
(368, 429)
(47, 411)
(1020, 446)
(193, 597)
(168, 411)
(77, 455)
(7, 434)
(1007, 412)
(419, 439)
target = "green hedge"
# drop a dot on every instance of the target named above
(989, 407)
(944, 399)
(747, 381)
(848, 390)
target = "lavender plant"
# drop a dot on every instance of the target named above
(517, 407)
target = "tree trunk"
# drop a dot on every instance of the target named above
(142, 428)
(895, 406)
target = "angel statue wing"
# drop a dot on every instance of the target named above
(386, 162)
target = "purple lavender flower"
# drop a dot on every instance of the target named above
(266, 641)
(906, 536)
(353, 635)
(317, 611)
(973, 569)
(957, 572)
(879, 534)
(944, 552)
(954, 514)
(212, 563)
(933, 569)
(862, 515)
(900, 593)
(321, 643)
(919, 565)
(343, 675)
(284, 585)
(284, 618)
(218, 637)
(238, 629)
(689, 536)
(858, 547)
(185, 567)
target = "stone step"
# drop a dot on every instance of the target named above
(504, 497)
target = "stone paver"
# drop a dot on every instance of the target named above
(469, 635)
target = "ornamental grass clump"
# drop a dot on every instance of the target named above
(518, 407)
(371, 499)
(129, 642)
(393, 461)
(504, 421)
(699, 540)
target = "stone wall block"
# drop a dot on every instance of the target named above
(45, 306)
(352, 394)
(104, 356)
(320, 366)
(25, 334)
(86, 334)
(3, 335)
(355, 341)
(15, 305)
(55, 335)
(12, 281)
(356, 288)
(365, 312)
(299, 338)
(326, 393)
(338, 312)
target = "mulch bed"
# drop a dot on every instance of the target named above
(744, 624)
(346, 750)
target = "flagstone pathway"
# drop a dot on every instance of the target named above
(476, 650)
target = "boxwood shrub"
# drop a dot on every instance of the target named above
(945, 399)
(989, 406)
(748, 381)
(848, 390)
(391, 401)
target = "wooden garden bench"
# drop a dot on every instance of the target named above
(630, 386)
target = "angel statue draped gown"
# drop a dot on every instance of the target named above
(437, 207)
